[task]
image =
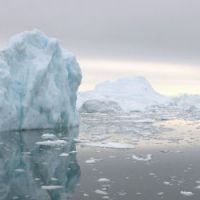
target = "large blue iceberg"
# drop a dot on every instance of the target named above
(38, 84)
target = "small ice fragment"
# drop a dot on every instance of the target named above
(105, 197)
(122, 193)
(64, 154)
(92, 161)
(47, 136)
(198, 187)
(103, 180)
(86, 195)
(72, 152)
(139, 158)
(198, 182)
(54, 179)
(187, 193)
(51, 187)
(101, 192)
(160, 193)
(164, 151)
(167, 183)
(52, 143)
(19, 170)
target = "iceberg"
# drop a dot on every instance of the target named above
(94, 106)
(128, 94)
(187, 102)
(38, 84)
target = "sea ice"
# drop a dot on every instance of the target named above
(112, 145)
(38, 84)
(139, 158)
(51, 187)
(101, 192)
(187, 193)
(52, 143)
(103, 180)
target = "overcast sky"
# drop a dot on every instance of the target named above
(159, 39)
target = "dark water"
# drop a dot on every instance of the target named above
(43, 165)
(164, 177)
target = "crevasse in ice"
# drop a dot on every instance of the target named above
(38, 84)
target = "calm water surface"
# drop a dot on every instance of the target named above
(47, 165)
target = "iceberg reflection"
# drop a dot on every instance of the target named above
(38, 165)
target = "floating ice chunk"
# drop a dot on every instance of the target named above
(72, 152)
(54, 179)
(47, 136)
(64, 154)
(101, 192)
(122, 193)
(19, 170)
(103, 180)
(187, 193)
(38, 84)
(92, 161)
(105, 197)
(197, 187)
(140, 158)
(198, 181)
(52, 143)
(167, 183)
(112, 145)
(51, 187)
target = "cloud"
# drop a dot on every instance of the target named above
(125, 29)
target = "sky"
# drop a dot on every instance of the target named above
(157, 39)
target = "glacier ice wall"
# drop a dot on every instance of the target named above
(38, 84)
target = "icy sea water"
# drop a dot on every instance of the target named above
(38, 165)
(48, 165)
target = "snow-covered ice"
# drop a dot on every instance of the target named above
(129, 94)
(38, 83)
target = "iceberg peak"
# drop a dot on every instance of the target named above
(38, 83)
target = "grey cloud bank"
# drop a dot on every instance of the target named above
(124, 29)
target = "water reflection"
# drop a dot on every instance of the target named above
(38, 165)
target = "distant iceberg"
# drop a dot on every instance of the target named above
(126, 94)
(187, 102)
(93, 106)
(38, 84)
